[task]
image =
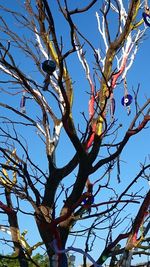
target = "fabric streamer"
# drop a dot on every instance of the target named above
(112, 107)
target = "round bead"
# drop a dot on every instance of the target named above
(126, 100)
(49, 66)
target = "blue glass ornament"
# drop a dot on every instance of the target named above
(126, 100)
(89, 200)
(49, 66)
(23, 103)
(146, 18)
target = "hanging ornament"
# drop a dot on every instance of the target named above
(126, 100)
(146, 18)
(49, 66)
(146, 14)
(89, 200)
(22, 103)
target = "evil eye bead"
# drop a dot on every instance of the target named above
(146, 18)
(126, 100)
(49, 66)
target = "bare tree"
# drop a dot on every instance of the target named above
(58, 166)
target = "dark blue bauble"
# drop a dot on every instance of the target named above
(49, 66)
(126, 100)
(146, 18)
(90, 199)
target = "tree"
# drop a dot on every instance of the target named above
(59, 156)
(39, 259)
